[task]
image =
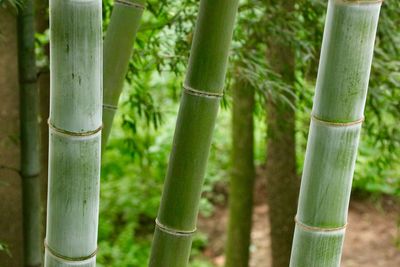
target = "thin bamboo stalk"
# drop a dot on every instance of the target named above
(75, 132)
(43, 82)
(203, 89)
(118, 44)
(29, 113)
(339, 102)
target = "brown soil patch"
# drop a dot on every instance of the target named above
(372, 238)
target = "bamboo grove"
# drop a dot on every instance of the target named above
(87, 77)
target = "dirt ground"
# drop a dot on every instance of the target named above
(371, 237)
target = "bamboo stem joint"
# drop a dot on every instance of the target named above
(130, 4)
(318, 229)
(110, 107)
(172, 231)
(191, 91)
(66, 258)
(361, 1)
(337, 124)
(76, 134)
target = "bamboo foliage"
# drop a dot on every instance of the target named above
(203, 89)
(339, 102)
(120, 37)
(29, 115)
(75, 132)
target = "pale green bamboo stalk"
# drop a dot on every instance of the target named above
(203, 89)
(339, 102)
(118, 45)
(29, 120)
(75, 132)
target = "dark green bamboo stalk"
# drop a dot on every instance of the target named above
(242, 177)
(203, 89)
(75, 133)
(339, 102)
(30, 159)
(43, 82)
(118, 45)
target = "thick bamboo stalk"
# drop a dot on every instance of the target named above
(203, 89)
(118, 44)
(339, 102)
(242, 177)
(29, 112)
(75, 132)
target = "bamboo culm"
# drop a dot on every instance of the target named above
(118, 44)
(75, 133)
(339, 102)
(43, 84)
(241, 185)
(203, 88)
(282, 181)
(29, 119)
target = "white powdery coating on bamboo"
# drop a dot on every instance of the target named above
(76, 65)
(339, 103)
(75, 133)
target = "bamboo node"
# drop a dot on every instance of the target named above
(110, 107)
(195, 92)
(130, 4)
(172, 231)
(66, 258)
(337, 124)
(30, 176)
(318, 229)
(361, 1)
(75, 134)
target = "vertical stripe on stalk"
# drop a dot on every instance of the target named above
(339, 102)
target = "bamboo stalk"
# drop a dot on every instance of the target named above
(339, 102)
(75, 132)
(203, 89)
(43, 83)
(118, 44)
(29, 113)
(282, 182)
(242, 176)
